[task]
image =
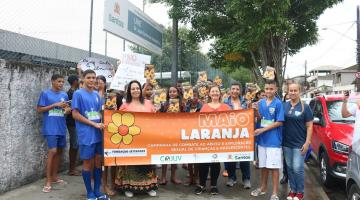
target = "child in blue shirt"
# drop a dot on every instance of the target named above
(86, 108)
(271, 116)
(53, 104)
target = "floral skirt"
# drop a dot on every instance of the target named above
(137, 179)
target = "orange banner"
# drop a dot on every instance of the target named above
(172, 138)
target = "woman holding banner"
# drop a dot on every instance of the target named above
(136, 179)
(214, 105)
(193, 105)
(173, 104)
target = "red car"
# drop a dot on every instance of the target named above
(332, 136)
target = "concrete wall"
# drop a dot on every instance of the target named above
(22, 147)
(347, 78)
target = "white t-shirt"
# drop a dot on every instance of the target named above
(355, 111)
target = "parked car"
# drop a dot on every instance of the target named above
(353, 175)
(332, 137)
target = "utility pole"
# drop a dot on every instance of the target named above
(174, 56)
(91, 19)
(180, 57)
(105, 43)
(305, 81)
(358, 49)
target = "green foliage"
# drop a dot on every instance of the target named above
(189, 48)
(264, 32)
(241, 74)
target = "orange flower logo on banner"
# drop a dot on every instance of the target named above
(123, 128)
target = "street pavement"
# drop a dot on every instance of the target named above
(337, 191)
(75, 190)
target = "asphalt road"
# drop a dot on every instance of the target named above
(75, 190)
(337, 191)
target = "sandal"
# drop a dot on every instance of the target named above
(108, 191)
(176, 182)
(257, 192)
(74, 173)
(189, 183)
(163, 182)
(60, 182)
(46, 189)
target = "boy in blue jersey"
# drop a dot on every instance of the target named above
(271, 114)
(53, 104)
(86, 107)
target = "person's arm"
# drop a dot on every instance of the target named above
(279, 118)
(272, 126)
(67, 110)
(309, 128)
(77, 116)
(79, 71)
(344, 109)
(41, 109)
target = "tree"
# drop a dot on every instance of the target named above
(265, 32)
(190, 55)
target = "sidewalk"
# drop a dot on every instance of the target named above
(75, 190)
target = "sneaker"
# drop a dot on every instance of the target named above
(274, 197)
(230, 182)
(103, 197)
(291, 195)
(152, 193)
(299, 196)
(247, 184)
(199, 189)
(214, 191)
(129, 194)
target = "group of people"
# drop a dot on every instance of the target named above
(281, 128)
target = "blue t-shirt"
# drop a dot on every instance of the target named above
(89, 105)
(294, 129)
(272, 113)
(53, 120)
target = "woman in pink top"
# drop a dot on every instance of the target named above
(214, 105)
(136, 179)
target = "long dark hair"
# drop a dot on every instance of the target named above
(166, 105)
(128, 92)
(101, 77)
(168, 91)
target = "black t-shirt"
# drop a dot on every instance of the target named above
(69, 119)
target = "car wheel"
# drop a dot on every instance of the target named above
(325, 175)
(354, 192)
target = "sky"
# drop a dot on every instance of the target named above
(67, 22)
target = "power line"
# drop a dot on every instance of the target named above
(341, 23)
(333, 45)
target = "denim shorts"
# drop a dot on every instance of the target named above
(88, 152)
(56, 141)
